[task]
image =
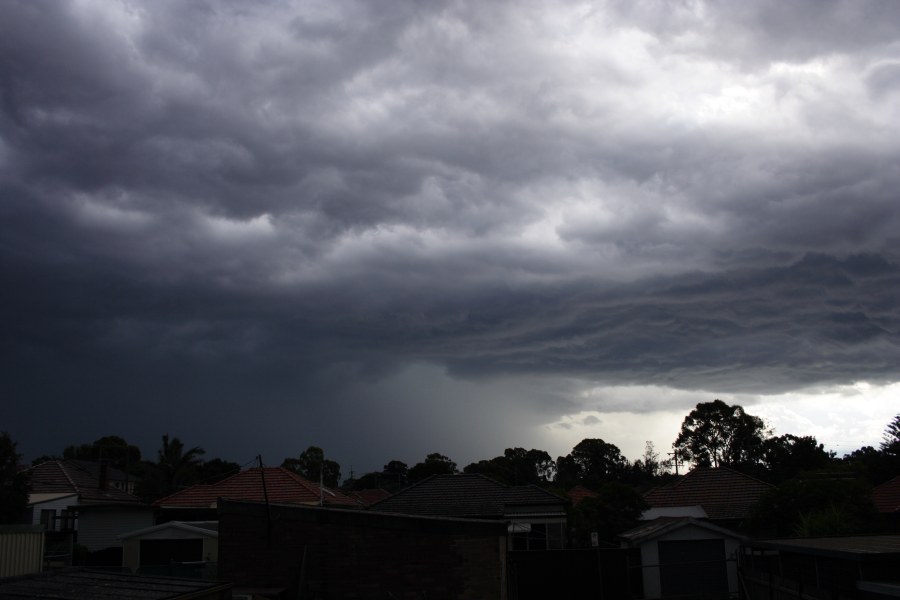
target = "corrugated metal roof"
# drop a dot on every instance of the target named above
(96, 585)
(663, 525)
(857, 545)
(208, 528)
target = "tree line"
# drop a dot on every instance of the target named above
(714, 434)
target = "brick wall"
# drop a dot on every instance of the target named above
(344, 554)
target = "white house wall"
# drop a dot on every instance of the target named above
(57, 504)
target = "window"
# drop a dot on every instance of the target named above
(48, 519)
(536, 536)
(66, 520)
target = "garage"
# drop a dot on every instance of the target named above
(693, 567)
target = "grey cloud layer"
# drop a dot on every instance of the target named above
(700, 195)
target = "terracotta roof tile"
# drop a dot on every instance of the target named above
(64, 476)
(579, 493)
(722, 492)
(282, 486)
(468, 495)
(887, 496)
(370, 496)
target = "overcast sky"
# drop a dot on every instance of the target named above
(396, 228)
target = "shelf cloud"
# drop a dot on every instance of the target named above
(262, 226)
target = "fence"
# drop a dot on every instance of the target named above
(21, 550)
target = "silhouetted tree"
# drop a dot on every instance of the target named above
(312, 463)
(891, 438)
(787, 455)
(717, 434)
(395, 475)
(112, 449)
(890, 447)
(44, 458)
(175, 468)
(215, 470)
(870, 464)
(177, 463)
(13, 482)
(517, 466)
(647, 468)
(591, 463)
(816, 506)
(616, 508)
(368, 481)
(434, 464)
(391, 478)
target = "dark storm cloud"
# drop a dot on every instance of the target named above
(208, 202)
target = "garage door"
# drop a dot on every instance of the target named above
(693, 567)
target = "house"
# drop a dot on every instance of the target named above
(78, 584)
(74, 506)
(269, 484)
(838, 568)
(320, 552)
(193, 545)
(370, 496)
(579, 493)
(684, 556)
(536, 519)
(115, 478)
(886, 498)
(58, 485)
(722, 495)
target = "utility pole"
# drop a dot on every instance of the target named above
(675, 461)
(262, 474)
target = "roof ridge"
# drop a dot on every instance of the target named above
(62, 467)
(745, 475)
(698, 470)
(483, 476)
(307, 483)
(411, 486)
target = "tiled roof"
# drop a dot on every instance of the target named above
(579, 493)
(282, 486)
(470, 495)
(93, 467)
(722, 492)
(370, 496)
(64, 476)
(887, 496)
